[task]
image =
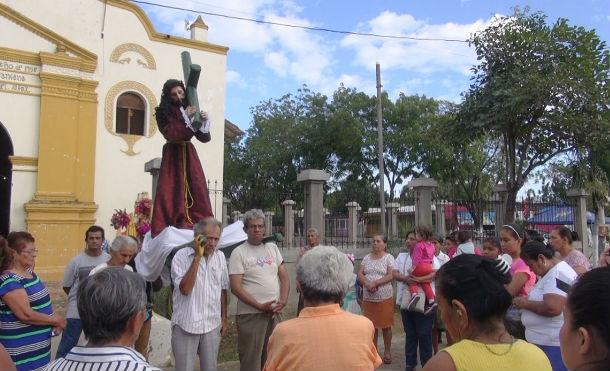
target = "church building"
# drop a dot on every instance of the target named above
(79, 81)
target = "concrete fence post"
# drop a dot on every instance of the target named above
(288, 223)
(423, 188)
(580, 219)
(314, 180)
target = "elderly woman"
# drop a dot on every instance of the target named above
(122, 250)
(323, 337)
(585, 334)
(26, 313)
(542, 310)
(561, 240)
(375, 275)
(472, 300)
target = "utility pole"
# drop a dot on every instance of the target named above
(380, 150)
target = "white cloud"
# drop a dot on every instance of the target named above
(299, 56)
(278, 62)
(308, 54)
(235, 78)
(288, 52)
(423, 56)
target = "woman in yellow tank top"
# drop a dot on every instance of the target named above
(473, 301)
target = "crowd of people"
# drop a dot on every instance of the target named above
(515, 304)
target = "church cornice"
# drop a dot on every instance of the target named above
(47, 34)
(165, 38)
(20, 56)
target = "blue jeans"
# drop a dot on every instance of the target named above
(418, 331)
(69, 337)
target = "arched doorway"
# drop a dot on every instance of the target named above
(6, 174)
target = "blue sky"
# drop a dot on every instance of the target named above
(266, 61)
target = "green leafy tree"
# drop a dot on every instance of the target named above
(542, 89)
(466, 169)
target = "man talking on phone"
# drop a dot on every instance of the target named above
(201, 280)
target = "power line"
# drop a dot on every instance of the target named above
(321, 29)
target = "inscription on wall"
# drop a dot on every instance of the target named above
(19, 78)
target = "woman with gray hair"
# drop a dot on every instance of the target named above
(122, 250)
(323, 337)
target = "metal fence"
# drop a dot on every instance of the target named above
(480, 217)
(477, 216)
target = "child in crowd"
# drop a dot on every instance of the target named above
(493, 249)
(464, 238)
(438, 250)
(422, 256)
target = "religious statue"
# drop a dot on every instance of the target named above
(182, 195)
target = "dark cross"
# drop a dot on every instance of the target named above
(191, 78)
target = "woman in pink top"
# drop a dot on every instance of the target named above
(512, 237)
(423, 253)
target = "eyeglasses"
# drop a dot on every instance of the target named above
(30, 252)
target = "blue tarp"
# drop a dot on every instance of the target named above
(558, 215)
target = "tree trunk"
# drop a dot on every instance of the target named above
(511, 203)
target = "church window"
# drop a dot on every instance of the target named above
(130, 114)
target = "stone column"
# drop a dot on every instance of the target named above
(580, 219)
(288, 223)
(314, 180)
(236, 216)
(361, 228)
(423, 188)
(439, 213)
(598, 240)
(153, 167)
(392, 210)
(352, 223)
(499, 201)
(225, 213)
(269, 222)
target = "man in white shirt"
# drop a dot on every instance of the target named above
(201, 280)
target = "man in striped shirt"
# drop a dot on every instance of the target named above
(201, 279)
(112, 308)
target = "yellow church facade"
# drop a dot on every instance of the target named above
(79, 81)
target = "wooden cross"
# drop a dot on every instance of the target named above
(191, 78)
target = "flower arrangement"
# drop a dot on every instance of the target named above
(120, 219)
(142, 214)
(136, 223)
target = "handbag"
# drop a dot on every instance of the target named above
(406, 296)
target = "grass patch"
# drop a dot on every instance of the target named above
(228, 344)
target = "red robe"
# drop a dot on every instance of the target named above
(171, 198)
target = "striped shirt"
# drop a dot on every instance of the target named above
(199, 312)
(28, 345)
(102, 358)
